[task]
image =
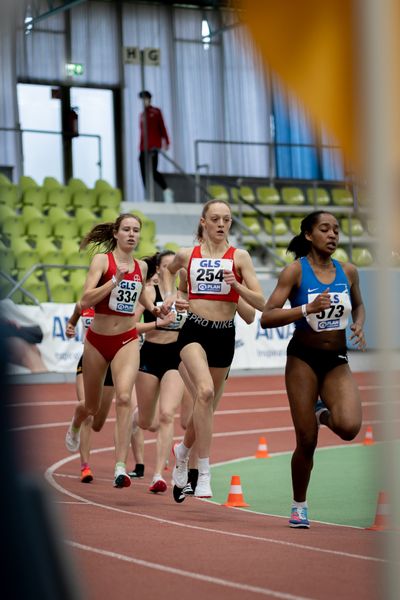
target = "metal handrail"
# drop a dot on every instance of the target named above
(21, 131)
(270, 145)
(18, 285)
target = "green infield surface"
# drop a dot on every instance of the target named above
(343, 490)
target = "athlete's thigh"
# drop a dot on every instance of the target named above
(94, 367)
(171, 391)
(196, 364)
(124, 368)
(302, 390)
(105, 405)
(340, 393)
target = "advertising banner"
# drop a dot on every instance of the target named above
(38, 342)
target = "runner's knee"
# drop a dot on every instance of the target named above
(306, 442)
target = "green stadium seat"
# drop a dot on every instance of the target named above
(19, 244)
(86, 226)
(86, 220)
(63, 293)
(145, 248)
(66, 229)
(60, 198)
(109, 199)
(30, 212)
(12, 227)
(218, 192)
(4, 180)
(351, 226)
(295, 225)
(9, 195)
(287, 257)
(247, 193)
(38, 290)
(342, 197)
(83, 214)
(26, 182)
(84, 199)
(148, 231)
(53, 257)
(35, 197)
(75, 184)
(7, 260)
(109, 215)
(51, 183)
(341, 254)
(252, 223)
(77, 258)
(69, 245)
(293, 196)
(77, 277)
(275, 226)
(56, 214)
(25, 259)
(267, 195)
(362, 257)
(44, 246)
(7, 211)
(77, 280)
(102, 185)
(173, 246)
(318, 196)
(53, 276)
(38, 228)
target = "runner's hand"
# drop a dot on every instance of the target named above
(320, 303)
(358, 336)
(230, 279)
(70, 330)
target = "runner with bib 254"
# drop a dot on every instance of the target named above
(323, 293)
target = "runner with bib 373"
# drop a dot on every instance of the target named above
(324, 294)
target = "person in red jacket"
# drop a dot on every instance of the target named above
(157, 139)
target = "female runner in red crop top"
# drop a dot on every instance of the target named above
(216, 271)
(113, 286)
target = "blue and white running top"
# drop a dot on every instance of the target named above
(337, 315)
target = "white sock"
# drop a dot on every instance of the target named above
(183, 450)
(299, 504)
(157, 476)
(204, 465)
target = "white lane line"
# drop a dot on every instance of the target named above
(226, 394)
(362, 388)
(225, 434)
(189, 574)
(49, 475)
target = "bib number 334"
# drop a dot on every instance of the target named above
(125, 296)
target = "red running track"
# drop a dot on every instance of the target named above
(131, 543)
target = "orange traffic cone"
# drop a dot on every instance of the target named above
(369, 437)
(381, 522)
(235, 497)
(262, 450)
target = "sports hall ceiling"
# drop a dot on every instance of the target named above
(42, 9)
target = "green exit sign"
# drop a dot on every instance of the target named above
(74, 69)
